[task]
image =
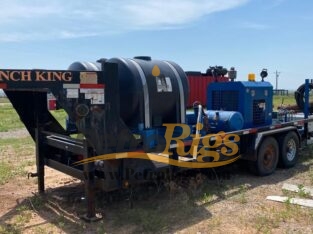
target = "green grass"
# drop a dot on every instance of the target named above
(241, 197)
(278, 100)
(23, 218)
(9, 171)
(4, 100)
(18, 147)
(5, 172)
(15, 155)
(10, 229)
(207, 197)
(9, 119)
(285, 100)
(265, 223)
(302, 193)
(60, 116)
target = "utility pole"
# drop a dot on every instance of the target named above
(277, 73)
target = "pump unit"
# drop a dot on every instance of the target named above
(252, 99)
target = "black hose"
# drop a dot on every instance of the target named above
(299, 96)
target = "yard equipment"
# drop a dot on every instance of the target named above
(126, 106)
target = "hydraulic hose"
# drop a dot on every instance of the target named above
(299, 96)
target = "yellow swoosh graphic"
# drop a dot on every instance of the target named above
(157, 158)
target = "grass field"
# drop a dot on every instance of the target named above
(4, 100)
(15, 155)
(17, 152)
(9, 118)
(285, 100)
(11, 121)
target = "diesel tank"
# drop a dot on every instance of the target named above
(225, 121)
(151, 92)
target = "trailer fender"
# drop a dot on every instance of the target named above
(273, 132)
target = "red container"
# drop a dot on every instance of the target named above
(198, 84)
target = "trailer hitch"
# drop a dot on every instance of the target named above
(31, 174)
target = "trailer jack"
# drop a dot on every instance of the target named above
(91, 219)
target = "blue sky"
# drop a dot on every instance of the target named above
(247, 34)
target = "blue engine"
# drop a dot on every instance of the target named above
(253, 100)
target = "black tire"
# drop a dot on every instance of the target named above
(267, 158)
(289, 149)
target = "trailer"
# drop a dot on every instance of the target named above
(127, 121)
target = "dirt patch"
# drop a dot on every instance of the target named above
(19, 133)
(230, 201)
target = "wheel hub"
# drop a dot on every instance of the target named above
(268, 157)
(291, 150)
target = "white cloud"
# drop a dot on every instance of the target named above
(16, 11)
(35, 19)
(175, 12)
(253, 25)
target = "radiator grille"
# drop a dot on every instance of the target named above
(259, 112)
(225, 100)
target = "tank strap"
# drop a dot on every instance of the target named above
(181, 93)
(145, 93)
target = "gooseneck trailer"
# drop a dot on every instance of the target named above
(122, 108)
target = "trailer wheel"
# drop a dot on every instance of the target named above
(289, 148)
(267, 157)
